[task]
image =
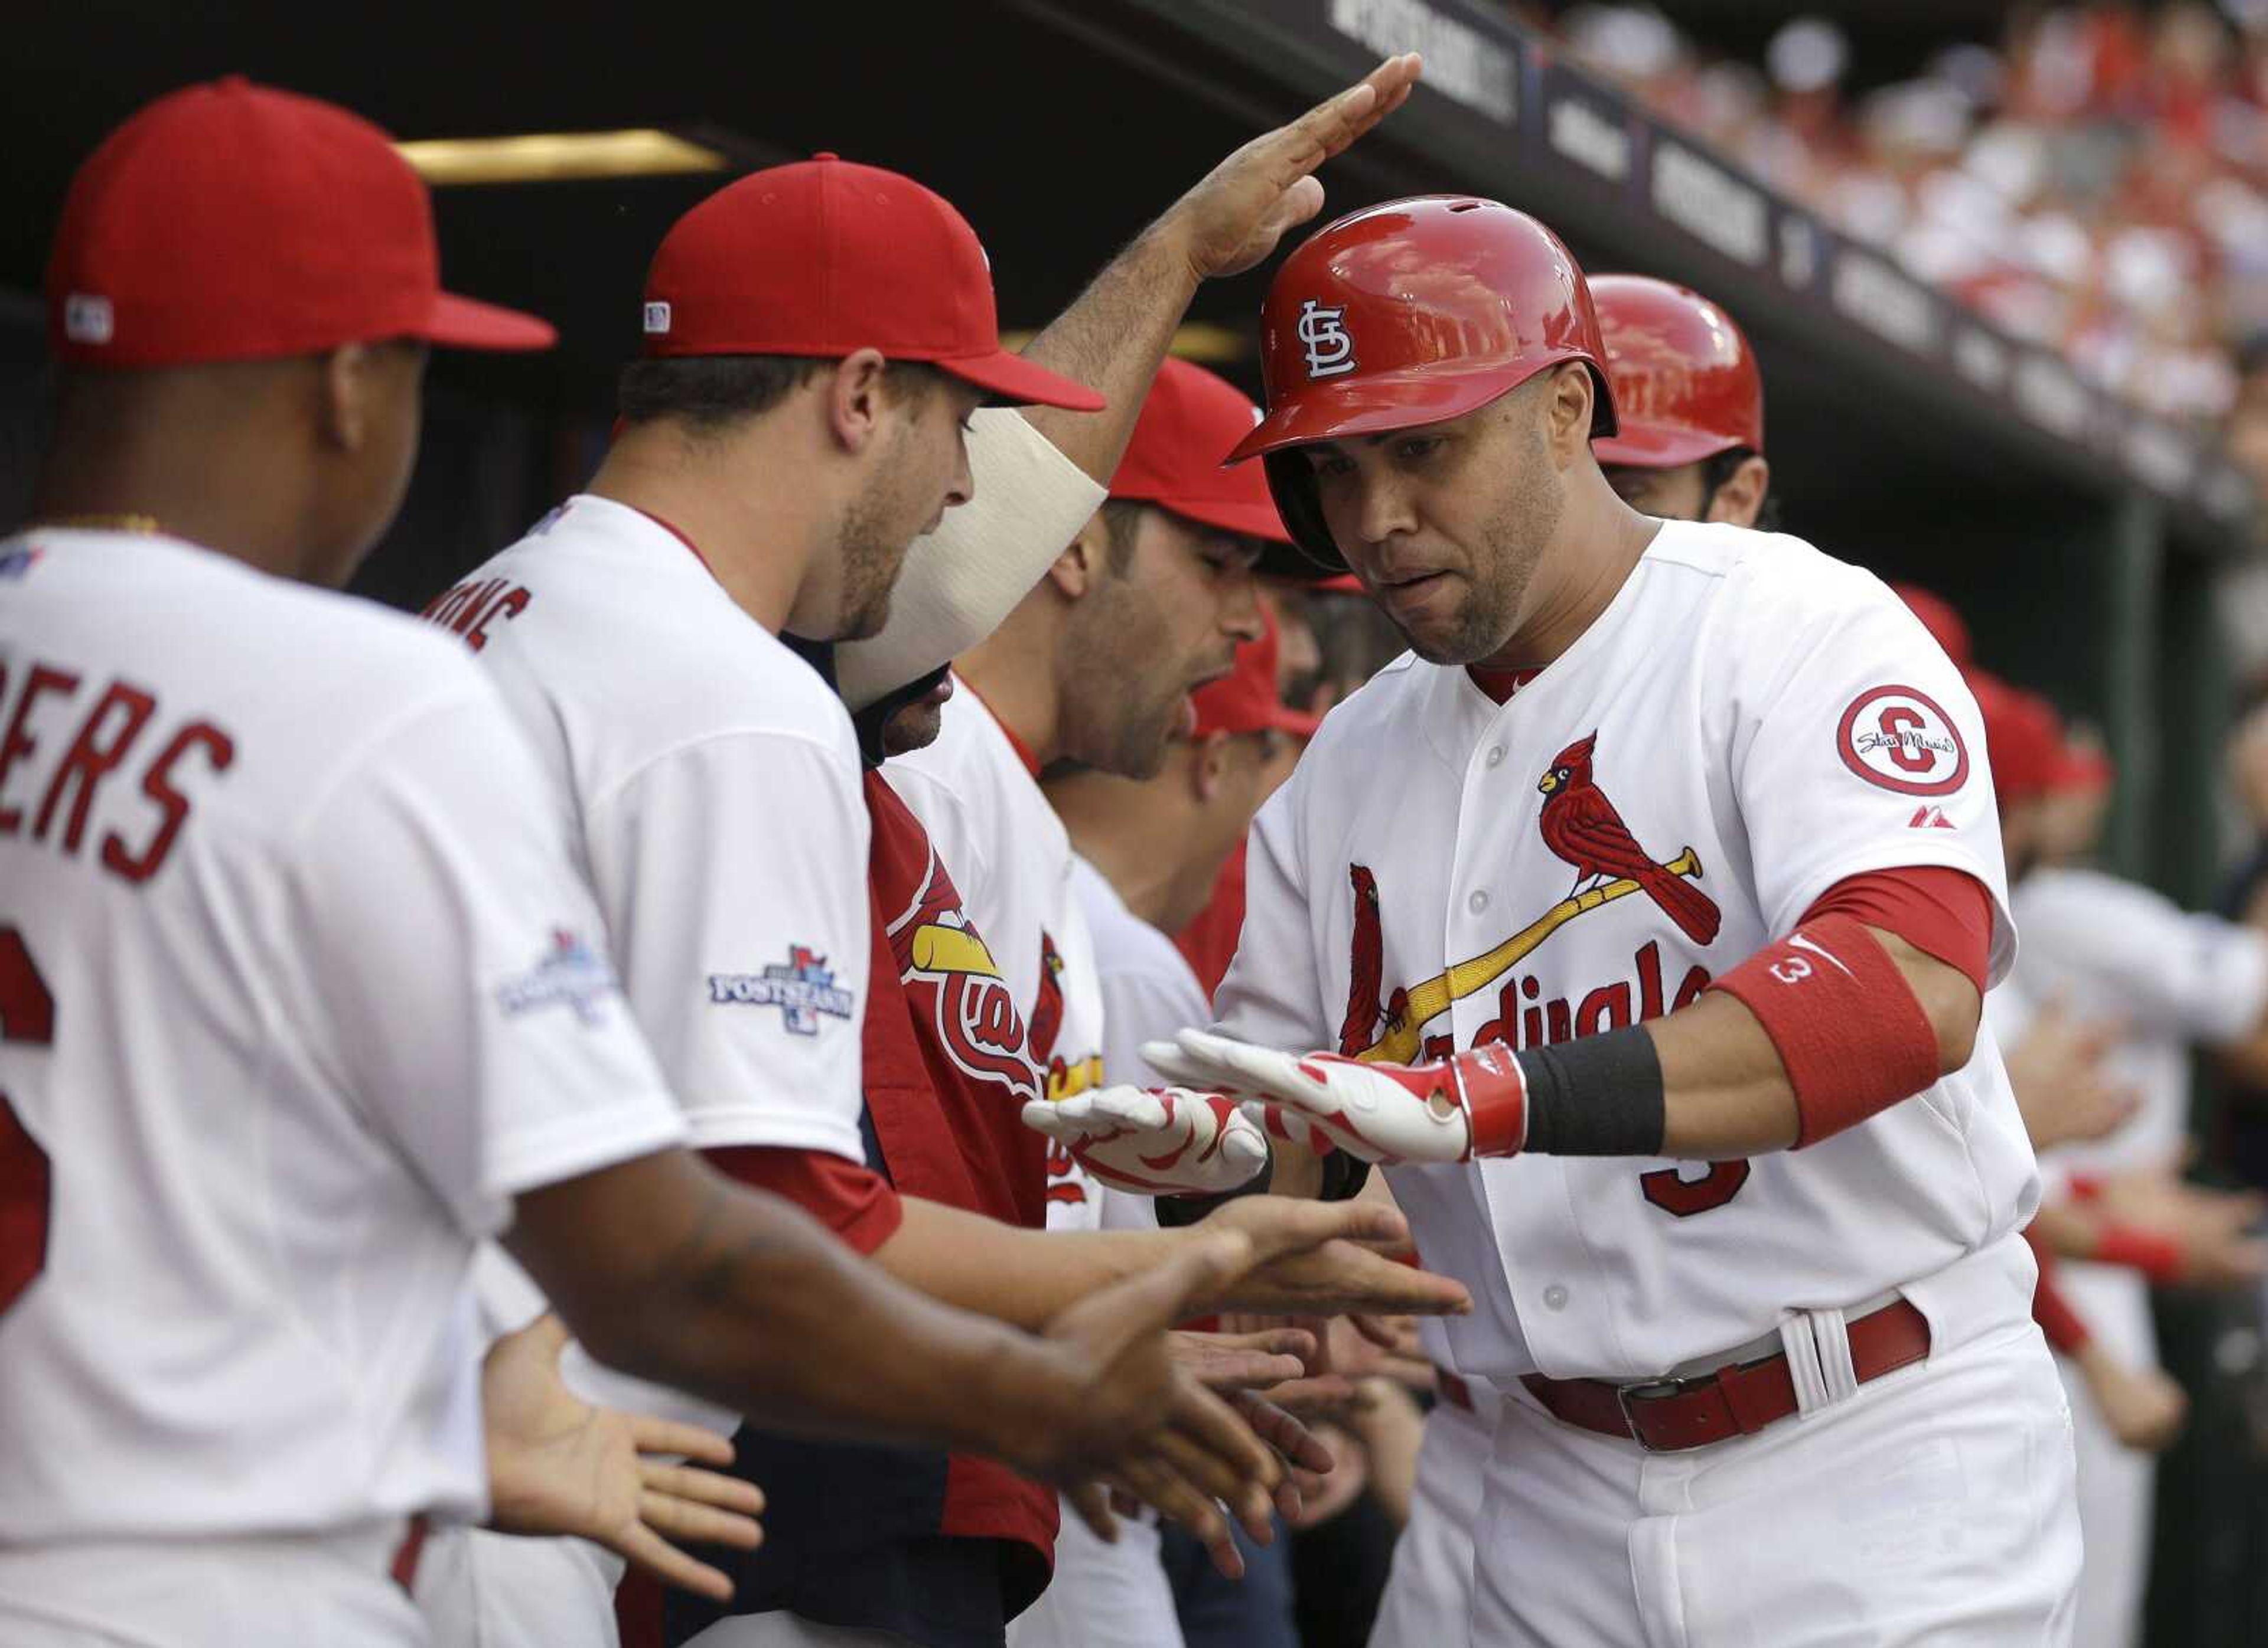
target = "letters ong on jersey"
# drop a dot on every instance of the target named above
(804, 990)
(571, 972)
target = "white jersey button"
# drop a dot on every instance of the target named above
(1477, 903)
(1494, 755)
(1555, 1297)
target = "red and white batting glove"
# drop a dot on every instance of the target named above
(1154, 1141)
(1471, 1104)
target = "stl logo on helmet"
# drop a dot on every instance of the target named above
(1324, 334)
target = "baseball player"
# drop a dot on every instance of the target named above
(771, 474)
(2170, 979)
(1639, 921)
(300, 997)
(1145, 856)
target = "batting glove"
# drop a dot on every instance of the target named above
(1451, 1110)
(1154, 1141)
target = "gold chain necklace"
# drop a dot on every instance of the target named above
(123, 523)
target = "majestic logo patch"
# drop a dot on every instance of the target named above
(1324, 334)
(804, 990)
(14, 563)
(571, 973)
(1901, 739)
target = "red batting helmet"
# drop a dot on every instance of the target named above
(1685, 379)
(1413, 312)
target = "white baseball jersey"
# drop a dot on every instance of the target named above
(1149, 990)
(1764, 722)
(981, 802)
(298, 987)
(2108, 948)
(711, 780)
(2112, 949)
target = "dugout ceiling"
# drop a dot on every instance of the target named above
(1898, 427)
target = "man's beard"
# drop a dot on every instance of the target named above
(1509, 550)
(870, 550)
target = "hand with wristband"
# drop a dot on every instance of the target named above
(1813, 1035)
(1154, 1141)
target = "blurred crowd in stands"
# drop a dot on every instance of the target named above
(2095, 181)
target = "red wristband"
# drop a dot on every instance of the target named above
(1493, 1090)
(2155, 1256)
(1853, 1039)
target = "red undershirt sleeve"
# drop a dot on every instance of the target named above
(850, 1199)
(1943, 913)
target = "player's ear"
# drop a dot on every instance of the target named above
(1742, 495)
(345, 387)
(854, 399)
(1567, 410)
(1082, 565)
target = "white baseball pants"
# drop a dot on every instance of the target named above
(1932, 1506)
(1429, 1590)
(278, 1593)
(1102, 1596)
(2117, 1485)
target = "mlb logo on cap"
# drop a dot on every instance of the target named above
(657, 318)
(87, 320)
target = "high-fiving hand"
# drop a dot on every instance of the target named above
(1447, 1111)
(557, 1465)
(1240, 209)
(1154, 1141)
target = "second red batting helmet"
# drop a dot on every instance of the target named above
(1685, 380)
(1413, 312)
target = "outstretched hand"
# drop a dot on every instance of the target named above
(557, 1465)
(1240, 209)
(1154, 1141)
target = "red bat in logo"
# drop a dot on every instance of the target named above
(1581, 826)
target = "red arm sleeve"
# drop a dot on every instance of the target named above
(853, 1201)
(1943, 913)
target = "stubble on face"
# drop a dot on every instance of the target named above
(879, 529)
(1513, 469)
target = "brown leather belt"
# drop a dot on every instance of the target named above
(1671, 1415)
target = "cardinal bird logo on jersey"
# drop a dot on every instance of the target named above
(943, 961)
(1581, 826)
(1367, 971)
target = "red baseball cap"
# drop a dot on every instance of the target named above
(1247, 699)
(2024, 740)
(1190, 419)
(1944, 624)
(229, 221)
(825, 258)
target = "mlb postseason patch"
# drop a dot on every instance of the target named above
(570, 973)
(804, 990)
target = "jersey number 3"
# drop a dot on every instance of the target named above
(28, 1015)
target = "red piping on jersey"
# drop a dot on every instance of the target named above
(671, 529)
(1500, 684)
(1023, 750)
